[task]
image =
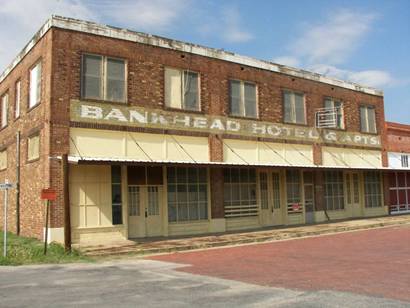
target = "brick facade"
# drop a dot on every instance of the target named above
(60, 52)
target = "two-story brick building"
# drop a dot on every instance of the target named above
(398, 137)
(146, 136)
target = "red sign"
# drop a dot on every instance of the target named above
(48, 194)
(295, 207)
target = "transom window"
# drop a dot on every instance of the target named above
(334, 190)
(338, 106)
(368, 119)
(294, 107)
(35, 86)
(4, 110)
(240, 192)
(187, 194)
(243, 101)
(182, 89)
(372, 189)
(103, 78)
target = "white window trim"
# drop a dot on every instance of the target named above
(4, 110)
(367, 124)
(104, 78)
(293, 107)
(4, 152)
(333, 101)
(242, 103)
(31, 104)
(17, 102)
(182, 90)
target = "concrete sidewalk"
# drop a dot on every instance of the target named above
(166, 245)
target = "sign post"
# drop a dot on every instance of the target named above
(5, 186)
(48, 195)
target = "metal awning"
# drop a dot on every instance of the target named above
(129, 161)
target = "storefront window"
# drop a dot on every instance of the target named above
(334, 192)
(116, 195)
(187, 194)
(240, 193)
(372, 189)
(293, 191)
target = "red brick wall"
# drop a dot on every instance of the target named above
(398, 137)
(34, 175)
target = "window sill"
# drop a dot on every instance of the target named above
(184, 110)
(4, 127)
(103, 101)
(33, 160)
(189, 222)
(295, 124)
(243, 117)
(371, 134)
(33, 107)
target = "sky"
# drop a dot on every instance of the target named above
(366, 41)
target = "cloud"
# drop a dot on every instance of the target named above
(335, 39)
(19, 21)
(231, 29)
(373, 78)
(145, 15)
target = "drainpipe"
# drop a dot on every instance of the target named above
(66, 202)
(18, 183)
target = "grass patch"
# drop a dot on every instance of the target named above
(24, 250)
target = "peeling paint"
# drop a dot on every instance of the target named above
(148, 39)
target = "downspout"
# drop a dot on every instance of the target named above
(66, 201)
(18, 183)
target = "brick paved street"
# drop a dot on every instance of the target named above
(374, 262)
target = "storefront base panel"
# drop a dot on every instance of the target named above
(320, 216)
(94, 236)
(188, 228)
(378, 211)
(296, 219)
(242, 223)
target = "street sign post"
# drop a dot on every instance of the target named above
(48, 195)
(5, 186)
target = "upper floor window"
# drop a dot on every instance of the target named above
(33, 147)
(294, 107)
(103, 78)
(338, 108)
(368, 119)
(182, 89)
(4, 110)
(17, 99)
(243, 100)
(35, 86)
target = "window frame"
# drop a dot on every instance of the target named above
(33, 135)
(367, 107)
(242, 97)
(294, 107)
(38, 102)
(103, 78)
(373, 190)
(337, 182)
(6, 96)
(182, 71)
(4, 150)
(333, 101)
(17, 102)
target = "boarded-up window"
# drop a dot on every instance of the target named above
(103, 78)
(182, 89)
(243, 100)
(35, 85)
(33, 147)
(3, 159)
(294, 107)
(368, 119)
(4, 110)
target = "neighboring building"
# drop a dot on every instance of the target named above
(167, 138)
(398, 136)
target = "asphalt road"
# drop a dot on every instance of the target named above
(180, 283)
